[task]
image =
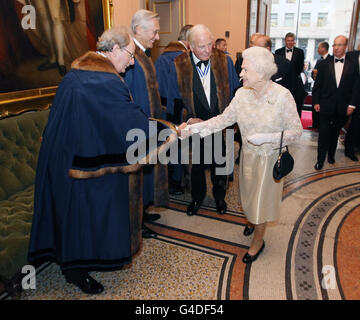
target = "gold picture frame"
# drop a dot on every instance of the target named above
(16, 102)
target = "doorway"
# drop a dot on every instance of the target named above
(172, 19)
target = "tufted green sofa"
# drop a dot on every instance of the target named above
(20, 139)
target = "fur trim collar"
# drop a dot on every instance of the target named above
(151, 83)
(91, 61)
(219, 67)
(175, 46)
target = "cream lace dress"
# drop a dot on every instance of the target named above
(274, 112)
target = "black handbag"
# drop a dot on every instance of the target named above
(284, 163)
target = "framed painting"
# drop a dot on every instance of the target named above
(39, 39)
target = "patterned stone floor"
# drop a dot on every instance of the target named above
(312, 252)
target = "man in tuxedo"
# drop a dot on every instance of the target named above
(335, 97)
(296, 58)
(205, 80)
(283, 74)
(323, 51)
(239, 59)
(352, 138)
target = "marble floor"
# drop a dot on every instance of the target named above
(311, 253)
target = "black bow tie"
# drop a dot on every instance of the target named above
(204, 62)
(148, 52)
(339, 60)
(321, 58)
(289, 50)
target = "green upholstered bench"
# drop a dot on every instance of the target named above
(20, 139)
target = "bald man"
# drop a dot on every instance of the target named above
(335, 96)
(205, 80)
(283, 74)
(239, 59)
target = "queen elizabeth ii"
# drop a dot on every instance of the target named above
(262, 109)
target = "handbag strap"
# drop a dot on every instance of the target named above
(281, 141)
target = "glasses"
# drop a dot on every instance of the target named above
(130, 54)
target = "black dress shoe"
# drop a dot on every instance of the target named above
(318, 166)
(176, 190)
(62, 70)
(248, 231)
(150, 217)
(221, 206)
(84, 282)
(248, 258)
(351, 156)
(148, 233)
(331, 160)
(47, 66)
(193, 207)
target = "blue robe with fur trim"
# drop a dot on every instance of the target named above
(135, 78)
(84, 223)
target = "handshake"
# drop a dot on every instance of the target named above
(184, 131)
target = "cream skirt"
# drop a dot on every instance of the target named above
(260, 195)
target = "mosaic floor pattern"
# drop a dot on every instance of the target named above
(311, 253)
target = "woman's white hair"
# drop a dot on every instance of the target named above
(142, 18)
(262, 61)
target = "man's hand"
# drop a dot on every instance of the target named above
(194, 120)
(317, 107)
(349, 111)
(181, 127)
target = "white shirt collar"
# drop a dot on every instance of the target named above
(183, 44)
(343, 57)
(139, 44)
(196, 59)
(101, 53)
(325, 56)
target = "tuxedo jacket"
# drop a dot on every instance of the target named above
(355, 55)
(297, 60)
(185, 84)
(283, 75)
(334, 100)
(318, 61)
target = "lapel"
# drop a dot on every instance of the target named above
(294, 55)
(345, 70)
(198, 88)
(332, 71)
(282, 52)
(213, 94)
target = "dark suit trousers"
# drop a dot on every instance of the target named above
(329, 131)
(315, 118)
(198, 176)
(353, 134)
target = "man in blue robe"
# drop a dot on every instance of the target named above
(141, 80)
(162, 66)
(84, 201)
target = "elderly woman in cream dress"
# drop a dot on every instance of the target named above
(262, 109)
